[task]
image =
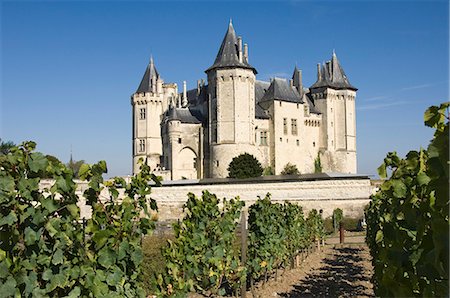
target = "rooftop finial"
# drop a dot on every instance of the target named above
(151, 59)
(334, 52)
(231, 22)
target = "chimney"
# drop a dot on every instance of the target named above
(319, 73)
(185, 101)
(240, 49)
(246, 52)
(153, 82)
(330, 74)
(298, 81)
(291, 83)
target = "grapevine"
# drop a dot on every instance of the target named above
(408, 218)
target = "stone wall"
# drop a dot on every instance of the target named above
(350, 193)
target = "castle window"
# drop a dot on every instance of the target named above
(281, 139)
(294, 126)
(306, 110)
(298, 105)
(285, 129)
(142, 114)
(331, 124)
(141, 145)
(179, 140)
(298, 142)
(280, 103)
(217, 163)
(263, 138)
(314, 144)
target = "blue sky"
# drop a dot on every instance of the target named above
(69, 68)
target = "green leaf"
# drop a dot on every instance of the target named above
(30, 236)
(101, 237)
(75, 293)
(9, 220)
(49, 204)
(423, 179)
(74, 210)
(84, 172)
(47, 275)
(58, 257)
(50, 228)
(62, 184)
(37, 162)
(399, 188)
(106, 257)
(382, 171)
(6, 185)
(379, 236)
(8, 288)
(4, 269)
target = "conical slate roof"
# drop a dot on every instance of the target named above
(146, 82)
(332, 75)
(227, 57)
(280, 90)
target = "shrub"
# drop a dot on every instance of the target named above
(337, 218)
(317, 164)
(244, 166)
(351, 224)
(268, 171)
(290, 169)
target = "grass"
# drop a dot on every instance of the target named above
(153, 263)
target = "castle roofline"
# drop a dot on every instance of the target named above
(228, 55)
(279, 89)
(331, 74)
(146, 82)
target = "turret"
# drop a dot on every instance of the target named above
(334, 96)
(147, 107)
(231, 88)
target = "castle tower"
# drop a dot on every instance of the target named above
(148, 104)
(334, 97)
(231, 107)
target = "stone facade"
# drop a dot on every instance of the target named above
(196, 133)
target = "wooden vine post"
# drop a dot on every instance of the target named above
(244, 250)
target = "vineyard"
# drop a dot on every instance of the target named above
(218, 248)
(408, 219)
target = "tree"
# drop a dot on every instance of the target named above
(75, 166)
(338, 215)
(5, 147)
(53, 159)
(244, 166)
(290, 169)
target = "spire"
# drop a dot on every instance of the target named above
(331, 74)
(149, 79)
(228, 55)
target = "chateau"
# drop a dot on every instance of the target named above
(196, 133)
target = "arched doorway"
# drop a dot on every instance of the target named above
(186, 165)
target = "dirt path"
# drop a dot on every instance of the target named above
(337, 271)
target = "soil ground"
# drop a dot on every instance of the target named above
(338, 270)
